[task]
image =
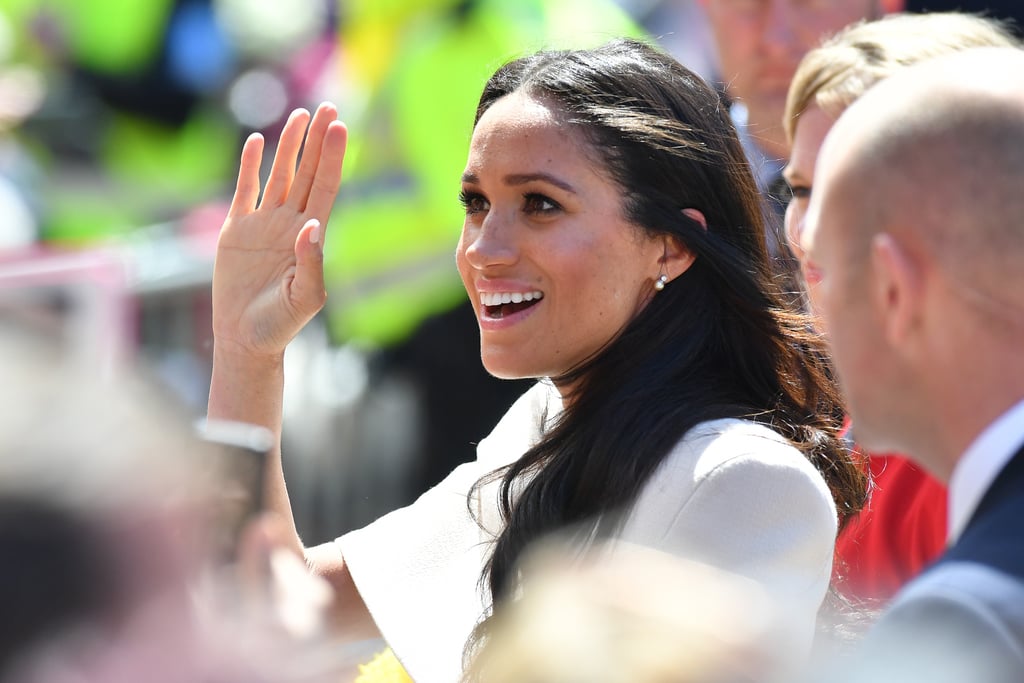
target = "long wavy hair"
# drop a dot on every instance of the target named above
(717, 342)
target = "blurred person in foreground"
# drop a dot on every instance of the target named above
(107, 500)
(921, 291)
(631, 614)
(902, 528)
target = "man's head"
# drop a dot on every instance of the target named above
(760, 42)
(915, 236)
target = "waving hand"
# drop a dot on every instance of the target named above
(268, 275)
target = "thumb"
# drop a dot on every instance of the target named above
(308, 291)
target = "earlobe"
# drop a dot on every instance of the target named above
(896, 288)
(680, 254)
(676, 257)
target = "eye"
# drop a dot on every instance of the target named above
(473, 202)
(539, 204)
(800, 191)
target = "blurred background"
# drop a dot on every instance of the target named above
(121, 122)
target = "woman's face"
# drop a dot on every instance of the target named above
(553, 269)
(811, 127)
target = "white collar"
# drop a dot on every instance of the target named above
(980, 464)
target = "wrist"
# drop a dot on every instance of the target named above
(232, 354)
(246, 386)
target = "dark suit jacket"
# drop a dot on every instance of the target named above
(962, 620)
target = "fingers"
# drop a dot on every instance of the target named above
(328, 172)
(247, 189)
(312, 156)
(310, 189)
(282, 171)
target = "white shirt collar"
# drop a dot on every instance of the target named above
(980, 464)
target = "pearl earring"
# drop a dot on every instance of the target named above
(659, 284)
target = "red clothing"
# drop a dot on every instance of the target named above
(900, 531)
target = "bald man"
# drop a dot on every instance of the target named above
(915, 244)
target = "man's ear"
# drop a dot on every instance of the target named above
(896, 288)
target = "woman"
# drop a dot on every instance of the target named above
(903, 527)
(613, 248)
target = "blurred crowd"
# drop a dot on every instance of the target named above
(121, 126)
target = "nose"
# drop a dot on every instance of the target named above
(794, 228)
(780, 28)
(489, 243)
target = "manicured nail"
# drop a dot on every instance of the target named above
(314, 234)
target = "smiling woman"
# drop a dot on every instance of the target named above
(613, 249)
(545, 226)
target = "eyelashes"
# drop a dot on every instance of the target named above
(800, 191)
(534, 203)
(473, 202)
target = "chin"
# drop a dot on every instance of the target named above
(869, 435)
(507, 368)
(501, 372)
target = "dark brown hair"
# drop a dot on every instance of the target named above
(719, 341)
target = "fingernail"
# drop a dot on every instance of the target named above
(314, 234)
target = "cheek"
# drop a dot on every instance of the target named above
(462, 263)
(795, 226)
(735, 38)
(832, 309)
(817, 307)
(617, 291)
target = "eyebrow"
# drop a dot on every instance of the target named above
(523, 179)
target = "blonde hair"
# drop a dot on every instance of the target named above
(842, 68)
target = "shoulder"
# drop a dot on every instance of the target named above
(735, 494)
(737, 449)
(958, 621)
(971, 589)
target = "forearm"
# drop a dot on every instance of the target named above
(249, 388)
(246, 387)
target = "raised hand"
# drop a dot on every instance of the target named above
(268, 275)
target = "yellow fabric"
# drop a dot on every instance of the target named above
(383, 668)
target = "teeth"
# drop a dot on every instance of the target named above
(498, 298)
